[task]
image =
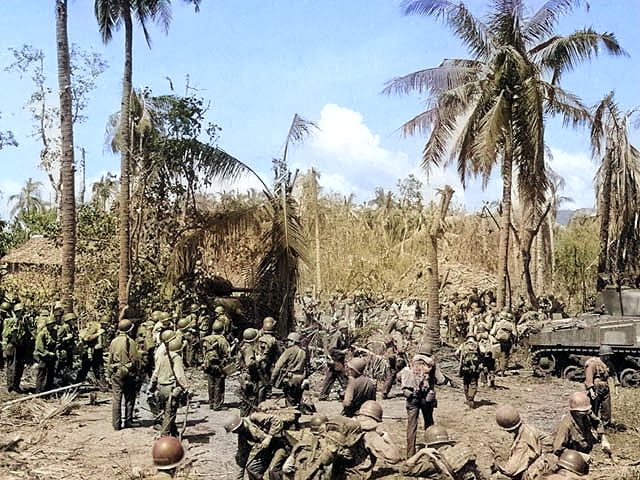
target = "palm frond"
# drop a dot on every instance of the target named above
(541, 25)
(450, 74)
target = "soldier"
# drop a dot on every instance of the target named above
(360, 388)
(578, 430)
(309, 307)
(217, 354)
(334, 370)
(146, 344)
(571, 465)
(221, 315)
(442, 456)
(469, 368)
(526, 459)
(45, 355)
(16, 348)
(170, 381)
(259, 439)
(167, 454)
(163, 322)
(123, 364)
(291, 369)
(418, 387)
(306, 451)
(377, 441)
(191, 341)
(488, 367)
(5, 312)
(252, 385)
(67, 338)
(268, 350)
(503, 331)
(397, 361)
(596, 374)
(92, 341)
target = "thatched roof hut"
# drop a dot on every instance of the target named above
(38, 251)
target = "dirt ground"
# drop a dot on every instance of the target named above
(39, 440)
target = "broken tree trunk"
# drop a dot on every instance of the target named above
(43, 394)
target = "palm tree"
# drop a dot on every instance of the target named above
(490, 110)
(111, 15)
(68, 204)
(618, 188)
(28, 200)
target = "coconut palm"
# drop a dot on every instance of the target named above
(68, 203)
(111, 15)
(489, 110)
(618, 188)
(28, 200)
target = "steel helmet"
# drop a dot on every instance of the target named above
(605, 350)
(371, 409)
(167, 336)
(167, 453)
(574, 462)
(6, 306)
(194, 307)
(175, 344)
(217, 326)
(250, 335)
(268, 324)
(18, 307)
(233, 424)
(436, 435)
(50, 320)
(357, 365)
(183, 323)
(579, 401)
(164, 316)
(317, 422)
(507, 417)
(219, 309)
(471, 337)
(125, 325)
(294, 337)
(68, 317)
(155, 315)
(58, 307)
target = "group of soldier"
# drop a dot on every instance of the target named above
(273, 377)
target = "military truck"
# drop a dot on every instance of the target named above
(562, 346)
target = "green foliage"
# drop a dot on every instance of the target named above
(34, 222)
(576, 257)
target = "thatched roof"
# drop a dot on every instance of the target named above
(37, 251)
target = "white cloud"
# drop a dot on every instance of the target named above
(578, 172)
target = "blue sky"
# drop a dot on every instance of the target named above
(260, 62)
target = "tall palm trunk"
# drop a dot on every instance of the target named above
(436, 230)
(68, 205)
(604, 212)
(505, 224)
(125, 164)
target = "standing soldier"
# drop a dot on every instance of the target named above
(45, 355)
(146, 343)
(187, 327)
(123, 364)
(92, 341)
(396, 357)
(334, 370)
(360, 388)
(419, 388)
(310, 308)
(251, 384)
(268, 351)
(205, 321)
(470, 367)
(596, 374)
(66, 344)
(291, 369)
(503, 331)
(217, 354)
(170, 381)
(5, 312)
(17, 345)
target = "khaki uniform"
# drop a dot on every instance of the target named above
(92, 340)
(67, 339)
(289, 372)
(16, 348)
(217, 355)
(571, 435)
(455, 462)
(169, 378)
(123, 364)
(334, 369)
(45, 354)
(252, 384)
(359, 390)
(596, 374)
(503, 331)
(470, 368)
(259, 442)
(525, 454)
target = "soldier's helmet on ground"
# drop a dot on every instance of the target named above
(5, 306)
(268, 324)
(357, 365)
(167, 453)
(217, 326)
(317, 422)
(69, 317)
(233, 424)
(574, 462)
(437, 435)
(371, 409)
(294, 337)
(175, 344)
(250, 335)
(605, 350)
(125, 325)
(579, 401)
(507, 417)
(167, 336)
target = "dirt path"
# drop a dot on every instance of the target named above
(82, 444)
